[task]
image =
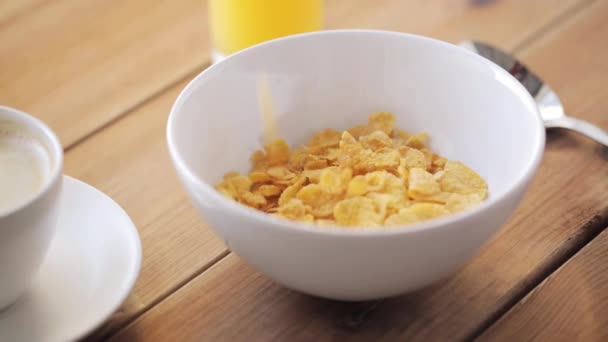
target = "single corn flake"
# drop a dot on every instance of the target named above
(439, 197)
(233, 185)
(376, 140)
(258, 160)
(226, 191)
(382, 121)
(313, 176)
(315, 150)
(402, 135)
(387, 159)
(335, 180)
(393, 185)
(297, 160)
(252, 199)
(351, 152)
(294, 209)
(369, 161)
(439, 175)
(415, 213)
(438, 164)
(268, 190)
(359, 131)
(277, 152)
(357, 186)
(280, 173)
(291, 191)
(460, 179)
(388, 204)
(357, 211)
(382, 202)
(397, 203)
(417, 141)
(326, 138)
(315, 164)
(325, 223)
(331, 155)
(403, 171)
(375, 180)
(411, 157)
(457, 202)
(347, 139)
(259, 177)
(240, 182)
(318, 198)
(422, 184)
(428, 156)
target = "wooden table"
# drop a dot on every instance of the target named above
(104, 74)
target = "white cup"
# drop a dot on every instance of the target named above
(27, 229)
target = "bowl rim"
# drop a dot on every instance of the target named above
(521, 180)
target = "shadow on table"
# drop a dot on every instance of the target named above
(258, 307)
(105, 333)
(360, 320)
(558, 139)
(130, 335)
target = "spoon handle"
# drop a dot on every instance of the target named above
(580, 126)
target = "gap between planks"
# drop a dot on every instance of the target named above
(187, 76)
(20, 12)
(108, 334)
(547, 28)
(592, 229)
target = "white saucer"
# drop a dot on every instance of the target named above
(91, 266)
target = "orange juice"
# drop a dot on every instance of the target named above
(237, 24)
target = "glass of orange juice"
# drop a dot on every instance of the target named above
(237, 24)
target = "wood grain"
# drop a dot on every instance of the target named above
(128, 160)
(508, 23)
(80, 64)
(565, 208)
(130, 163)
(9, 10)
(571, 305)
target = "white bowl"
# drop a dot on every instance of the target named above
(473, 110)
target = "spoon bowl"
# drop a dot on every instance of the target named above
(549, 105)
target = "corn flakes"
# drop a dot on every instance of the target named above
(458, 178)
(259, 177)
(294, 209)
(291, 191)
(367, 176)
(268, 190)
(417, 212)
(457, 202)
(357, 211)
(320, 199)
(422, 184)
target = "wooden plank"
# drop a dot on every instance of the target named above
(501, 22)
(571, 305)
(130, 162)
(565, 208)
(9, 10)
(80, 64)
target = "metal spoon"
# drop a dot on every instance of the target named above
(551, 109)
